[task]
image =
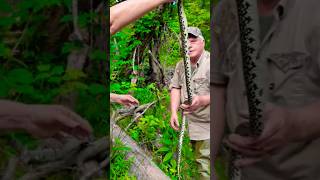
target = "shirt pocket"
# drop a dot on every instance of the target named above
(289, 82)
(201, 85)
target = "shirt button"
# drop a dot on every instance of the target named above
(271, 86)
(258, 56)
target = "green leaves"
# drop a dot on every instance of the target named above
(5, 52)
(163, 149)
(98, 55)
(120, 163)
(5, 6)
(167, 157)
(20, 76)
(44, 67)
(66, 18)
(97, 89)
(49, 73)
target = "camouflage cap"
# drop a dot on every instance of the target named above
(195, 31)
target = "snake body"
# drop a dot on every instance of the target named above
(249, 39)
(187, 67)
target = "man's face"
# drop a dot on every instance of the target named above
(196, 46)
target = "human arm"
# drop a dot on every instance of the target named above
(123, 99)
(174, 105)
(41, 121)
(128, 11)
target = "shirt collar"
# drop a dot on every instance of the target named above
(201, 58)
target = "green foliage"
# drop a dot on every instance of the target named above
(198, 15)
(120, 164)
(33, 54)
(220, 167)
(153, 131)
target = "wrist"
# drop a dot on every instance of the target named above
(174, 112)
(114, 97)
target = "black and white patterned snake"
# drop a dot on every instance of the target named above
(187, 67)
(249, 38)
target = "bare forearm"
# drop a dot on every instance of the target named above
(205, 100)
(13, 115)
(113, 97)
(128, 11)
(174, 100)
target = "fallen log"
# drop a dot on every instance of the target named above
(83, 159)
(143, 167)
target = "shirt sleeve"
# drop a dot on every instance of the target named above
(175, 81)
(218, 49)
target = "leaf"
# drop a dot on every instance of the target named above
(55, 80)
(66, 18)
(4, 89)
(173, 163)
(163, 149)
(167, 141)
(98, 55)
(41, 76)
(44, 67)
(97, 89)
(4, 51)
(5, 6)
(57, 70)
(173, 170)
(167, 157)
(26, 89)
(121, 149)
(22, 76)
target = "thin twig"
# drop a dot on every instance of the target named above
(140, 114)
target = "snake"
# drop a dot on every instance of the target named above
(248, 20)
(183, 24)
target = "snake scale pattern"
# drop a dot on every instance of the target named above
(187, 66)
(249, 39)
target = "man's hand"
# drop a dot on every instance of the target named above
(49, 120)
(197, 102)
(174, 122)
(41, 120)
(126, 100)
(280, 128)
